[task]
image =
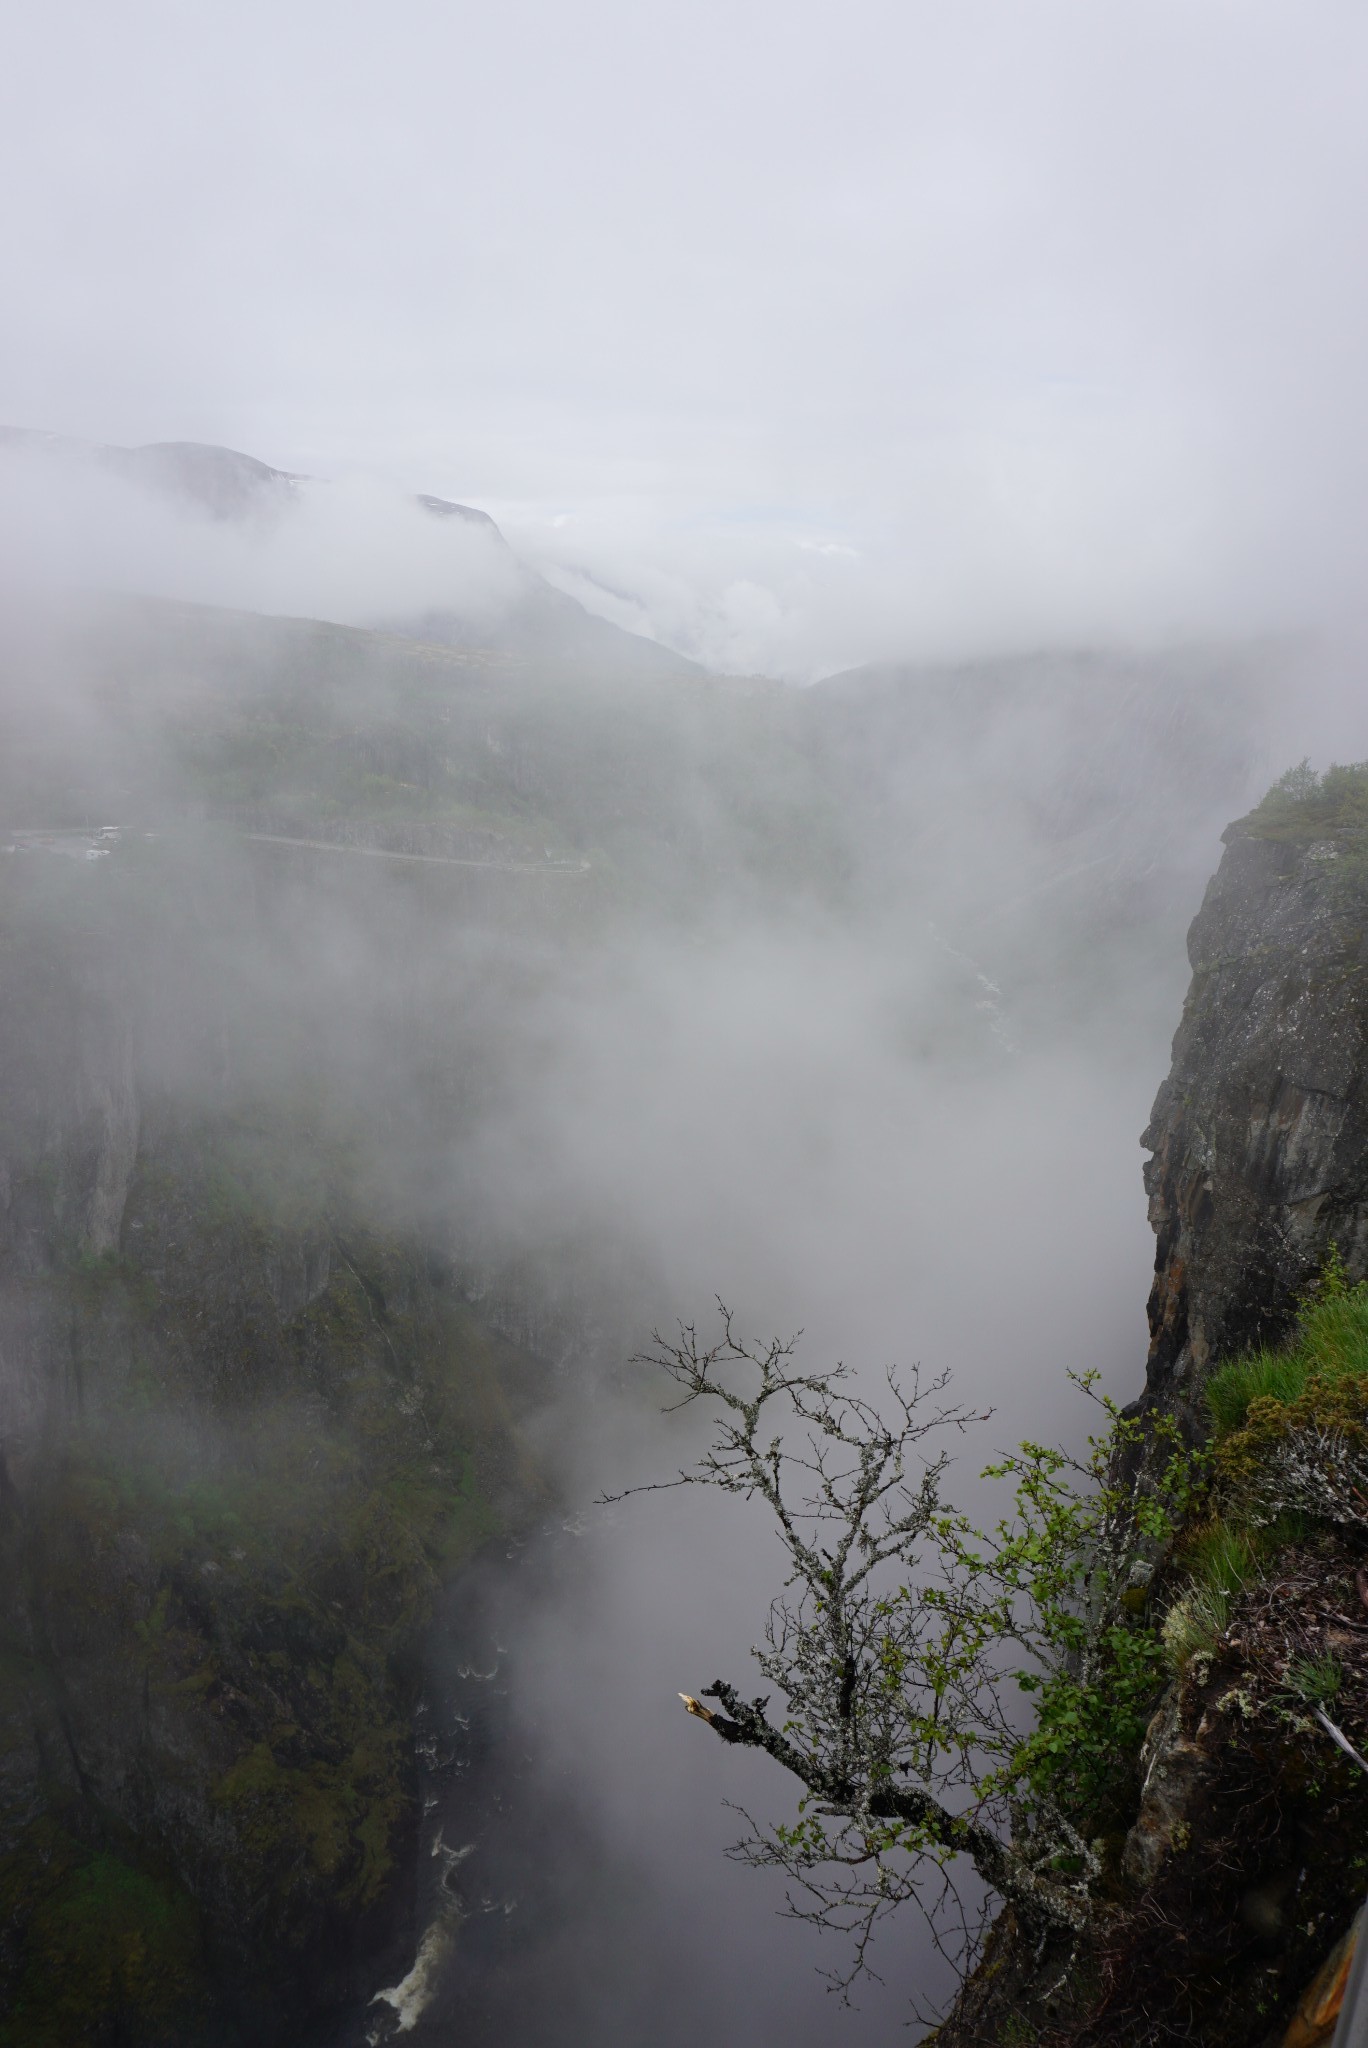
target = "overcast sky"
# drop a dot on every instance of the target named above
(805, 331)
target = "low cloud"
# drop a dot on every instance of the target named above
(352, 549)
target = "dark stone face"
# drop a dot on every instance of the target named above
(1259, 1135)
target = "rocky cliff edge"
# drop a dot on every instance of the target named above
(1259, 1135)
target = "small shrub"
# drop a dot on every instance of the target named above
(1309, 803)
(1319, 1472)
(1077, 1555)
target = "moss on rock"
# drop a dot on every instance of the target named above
(97, 1948)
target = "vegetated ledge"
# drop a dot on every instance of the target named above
(1241, 1853)
(1234, 1847)
(282, 1431)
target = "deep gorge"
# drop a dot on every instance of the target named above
(339, 1185)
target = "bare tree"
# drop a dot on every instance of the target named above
(902, 1641)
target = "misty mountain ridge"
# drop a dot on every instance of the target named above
(932, 806)
(234, 489)
(220, 481)
(1113, 755)
(539, 621)
(514, 725)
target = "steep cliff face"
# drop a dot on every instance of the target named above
(1223, 1904)
(245, 1451)
(1260, 1133)
(248, 1427)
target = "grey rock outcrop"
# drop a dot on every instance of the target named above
(1173, 1768)
(1259, 1134)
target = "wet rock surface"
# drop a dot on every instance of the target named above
(1259, 1134)
(1173, 1767)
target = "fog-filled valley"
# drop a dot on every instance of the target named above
(398, 1026)
(647, 659)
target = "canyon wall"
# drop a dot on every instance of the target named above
(1259, 1135)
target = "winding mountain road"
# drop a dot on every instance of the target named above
(82, 842)
(441, 860)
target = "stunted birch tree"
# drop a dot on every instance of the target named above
(944, 1697)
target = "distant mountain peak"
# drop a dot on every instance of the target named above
(221, 481)
(231, 486)
(224, 481)
(447, 508)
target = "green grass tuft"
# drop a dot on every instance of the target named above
(1330, 1345)
(1281, 1375)
(1194, 1625)
(1316, 1680)
(1223, 1559)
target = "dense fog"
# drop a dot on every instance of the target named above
(625, 642)
(628, 990)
